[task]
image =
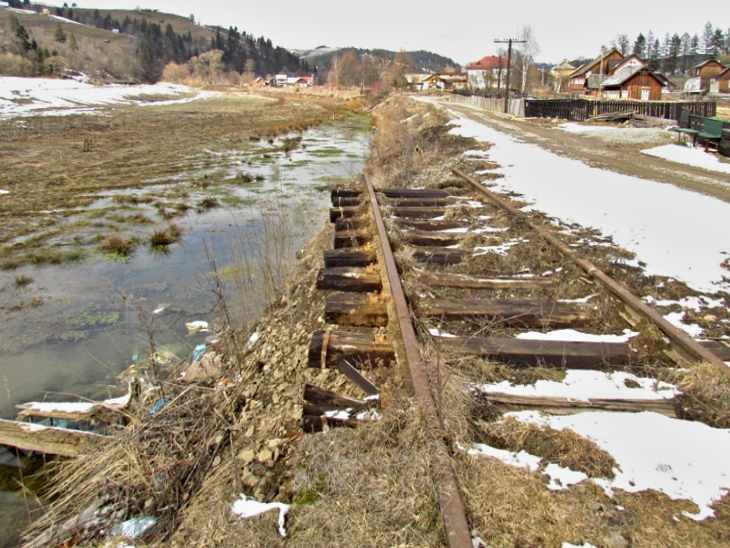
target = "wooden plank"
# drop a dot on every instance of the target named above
(336, 258)
(47, 440)
(719, 349)
(439, 256)
(525, 313)
(346, 202)
(417, 212)
(431, 226)
(357, 378)
(462, 281)
(354, 223)
(343, 192)
(351, 347)
(349, 279)
(350, 239)
(430, 239)
(356, 309)
(110, 410)
(564, 406)
(531, 353)
(420, 202)
(414, 193)
(337, 213)
(331, 401)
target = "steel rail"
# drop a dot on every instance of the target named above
(453, 511)
(694, 350)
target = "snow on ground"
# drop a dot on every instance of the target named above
(695, 157)
(245, 507)
(676, 232)
(577, 336)
(46, 96)
(560, 477)
(685, 460)
(619, 135)
(76, 407)
(589, 385)
(4, 192)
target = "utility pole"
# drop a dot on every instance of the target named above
(509, 41)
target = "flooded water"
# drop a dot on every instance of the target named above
(88, 328)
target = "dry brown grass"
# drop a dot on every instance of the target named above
(706, 396)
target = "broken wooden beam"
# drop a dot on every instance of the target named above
(536, 353)
(462, 281)
(356, 280)
(348, 347)
(356, 310)
(420, 202)
(523, 313)
(565, 406)
(49, 440)
(336, 258)
(350, 239)
(330, 401)
(719, 349)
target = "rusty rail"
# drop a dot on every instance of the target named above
(453, 511)
(690, 347)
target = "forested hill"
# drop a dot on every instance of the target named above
(426, 61)
(126, 44)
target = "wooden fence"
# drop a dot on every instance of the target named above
(491, 104)
(582, 109)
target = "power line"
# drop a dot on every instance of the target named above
(509, 41)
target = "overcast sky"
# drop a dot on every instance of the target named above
(461, 29)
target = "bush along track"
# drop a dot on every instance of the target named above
(449, 392)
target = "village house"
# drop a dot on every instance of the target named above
(633, 81)
(560, 75)
(486, 73)
(444, 82)
(587, 78)
(721, 83)
(707, 78)
(284, 80)
(417, 81)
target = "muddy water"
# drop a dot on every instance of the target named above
(88, 328)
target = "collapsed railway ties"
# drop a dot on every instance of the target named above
(394, 269)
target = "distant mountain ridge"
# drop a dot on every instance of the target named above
(426, 61)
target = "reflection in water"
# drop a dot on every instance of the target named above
(88, 331)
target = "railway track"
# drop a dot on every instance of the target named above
(394, 271)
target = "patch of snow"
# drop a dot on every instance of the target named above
(682, 459)
(339, 415)
(245, 507)
(489, 229)
(675, 318)
(253, 339)
(624, 135)
(695, 157)
(572, 335)
(461, 230)
(134, 528)
(560, 477)
(685, 244)
(64, 20)
(55, 97)
(587, 385)
(584, 300)
(691, 303)
(569, 545)
(159, 310)
(435, 332)
(4, 192)
(502, 249)
(18, 10)
(476, 154)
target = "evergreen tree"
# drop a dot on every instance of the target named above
(718, 42)
(622, 44)
(640, 46)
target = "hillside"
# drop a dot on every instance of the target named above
(426, 61)
(127, 45)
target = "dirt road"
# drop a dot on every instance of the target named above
(621, 158)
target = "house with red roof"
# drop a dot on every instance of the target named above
(488, 72)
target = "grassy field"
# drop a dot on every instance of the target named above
(84, 183)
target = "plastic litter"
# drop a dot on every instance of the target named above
(134, 528)
(158, 406)
(197, 327)
(199, 352)
(246, 507)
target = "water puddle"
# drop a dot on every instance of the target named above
(85, 327)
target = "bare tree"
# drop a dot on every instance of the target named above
(530, 49)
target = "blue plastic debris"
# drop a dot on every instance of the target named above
(158, 406)
(134, 528)
(135, 358)
(198, 353)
